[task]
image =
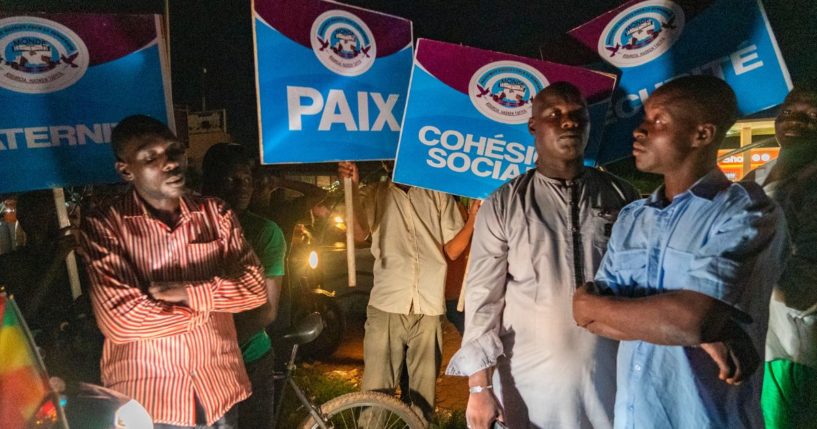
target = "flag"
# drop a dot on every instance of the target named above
(24, 387)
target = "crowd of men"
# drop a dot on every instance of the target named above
(586, 306)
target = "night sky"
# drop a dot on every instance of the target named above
(216, 35)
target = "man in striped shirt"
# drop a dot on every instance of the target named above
(166, 269)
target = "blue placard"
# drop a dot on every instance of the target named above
(331, 80)
(65, 81)
(465, 131)
(654, 41)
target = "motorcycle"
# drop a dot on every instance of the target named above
(319, 275)
(308, 295)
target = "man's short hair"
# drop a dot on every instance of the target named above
(564, 89)
(137, 128)
(803, 90)
(710, 99)
(219, 160)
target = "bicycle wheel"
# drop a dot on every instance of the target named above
(366, 410)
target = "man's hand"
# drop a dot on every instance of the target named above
(66, 242)
(274, 182)
(581, 304)
(482, 410)
(169, 292)
(474, 208)
(737, 359)
(348, 169)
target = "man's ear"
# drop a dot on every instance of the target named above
(531, 128)
(705, 135)
(124, 171)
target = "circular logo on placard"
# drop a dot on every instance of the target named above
(504, 91)
(39, 55)
(641, 33)
(343, 43)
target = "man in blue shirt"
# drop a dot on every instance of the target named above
(688, 273)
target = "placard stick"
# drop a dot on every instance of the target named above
(350, 231)
(71, 259)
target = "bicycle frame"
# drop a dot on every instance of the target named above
(299, 393)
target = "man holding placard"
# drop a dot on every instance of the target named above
(410, 228)
(536, 239)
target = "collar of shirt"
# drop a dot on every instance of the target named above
(563, 182)
(395, 187)
(136, 207)
(706, 187)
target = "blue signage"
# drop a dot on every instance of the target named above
(331, 81)
(654, 41)
(465, 130)
(65, 81)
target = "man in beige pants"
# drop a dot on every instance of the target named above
(412, 231)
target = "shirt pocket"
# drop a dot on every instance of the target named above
(599, 229)
(630, 269)
(204, 258)
(601, 224)
(676, 268)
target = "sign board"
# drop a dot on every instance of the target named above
(654, 41)
(734, 166)
(207, 122)
(331, 80)
(465, 130)
(65, 81)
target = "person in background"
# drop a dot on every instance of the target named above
(267, 200)
(412, 230)
(227, 175)
(790, 382)
(36, 273)
(166, 270)
(537, 239)
(8, 224)
(688, 273)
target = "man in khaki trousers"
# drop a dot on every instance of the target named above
(412, 231)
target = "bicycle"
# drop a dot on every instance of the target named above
(358, 410)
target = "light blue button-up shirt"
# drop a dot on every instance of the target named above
(721, 239)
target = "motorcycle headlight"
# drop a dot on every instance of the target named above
(132, 415)
(313, 259)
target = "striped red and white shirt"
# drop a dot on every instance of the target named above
(166, 355)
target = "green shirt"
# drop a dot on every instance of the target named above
(267, 240)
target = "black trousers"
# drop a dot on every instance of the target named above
(258, 411)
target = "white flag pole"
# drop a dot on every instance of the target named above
(350, 231)
(71, 259)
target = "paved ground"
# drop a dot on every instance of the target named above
(347, 362)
